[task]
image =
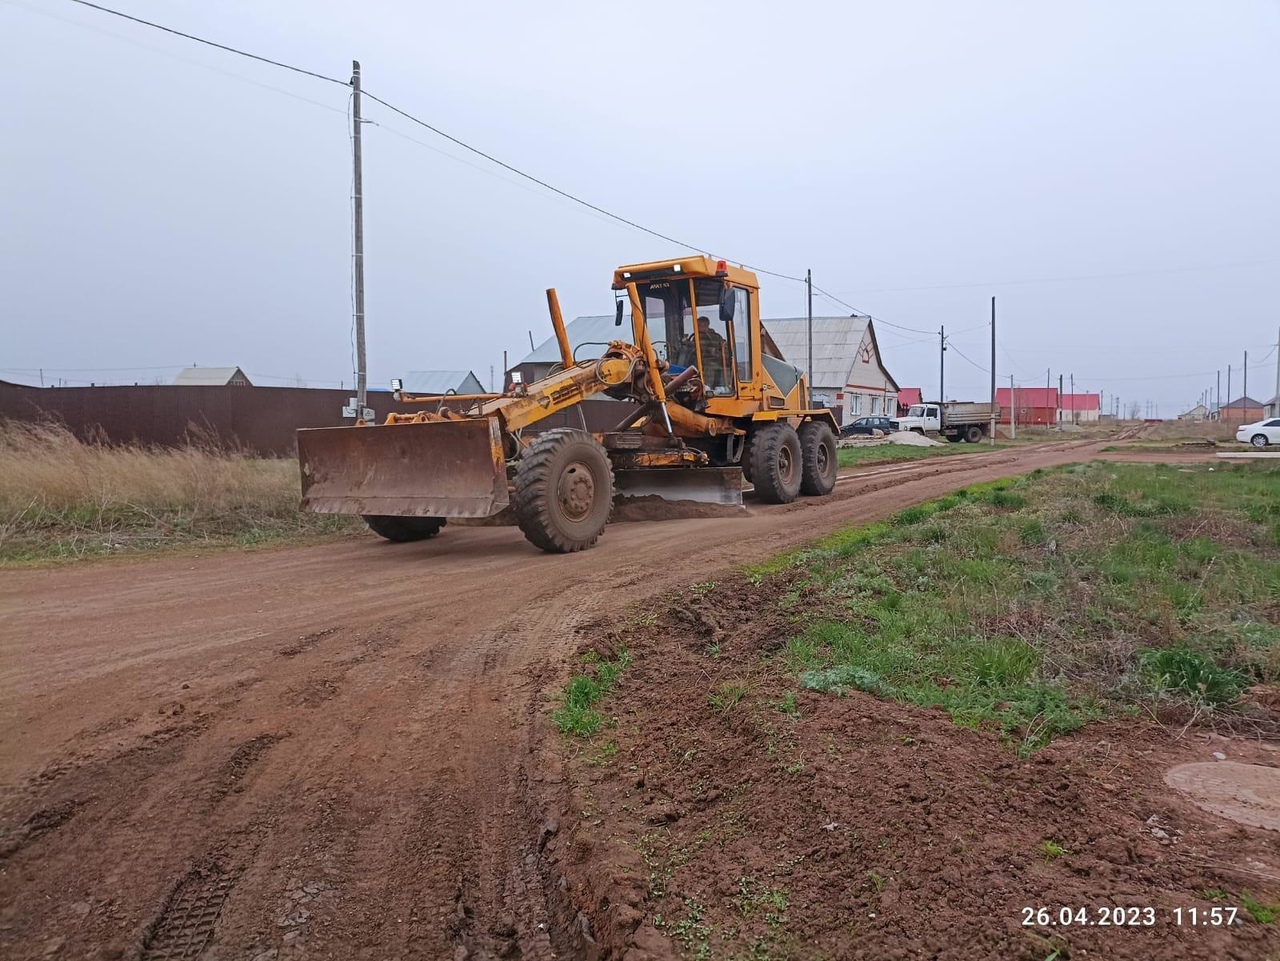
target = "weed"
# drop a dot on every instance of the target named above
(1191, 674)
(729, 696)
(1052, 850)
(878, 881)
(578, 716)
(703, 589)
(1260, 912)
(787, 705)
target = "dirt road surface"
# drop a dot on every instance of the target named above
(329, 751)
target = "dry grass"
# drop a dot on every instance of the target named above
(63, 498)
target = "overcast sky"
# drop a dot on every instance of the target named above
(165, 203)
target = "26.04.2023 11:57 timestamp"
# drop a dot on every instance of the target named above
(1127, 917)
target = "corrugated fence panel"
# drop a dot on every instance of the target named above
(262, 419)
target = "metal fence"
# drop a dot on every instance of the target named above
(261, 419)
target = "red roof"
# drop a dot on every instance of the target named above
(909, 395)
(1029, 397)
(1081, 401)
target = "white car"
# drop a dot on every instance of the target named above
(1261, 434)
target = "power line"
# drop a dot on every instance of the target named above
(1055, 280)
(211, 43)
(965, 356)
(486, 156)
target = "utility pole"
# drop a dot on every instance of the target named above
(1013, 413)
(993, 371)
(808, 283)
(1073, 398)
(357, 256)
(942, 365)
(1274, 413)
(1059, 400)
(1218, 406)
(1244, 391)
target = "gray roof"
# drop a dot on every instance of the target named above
(835, 345)
(592, 334)
(442, 382)
(1243, 402)
(208, 376)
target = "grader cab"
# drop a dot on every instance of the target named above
(716, 403)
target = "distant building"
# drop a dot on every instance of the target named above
(1036, 406)
(588, 336)
(212, 377)
(435, 383)
(908, 396)
(1243, 410)
(1273, 407)
(1081, 408)
(848, 373)
(1197, 413)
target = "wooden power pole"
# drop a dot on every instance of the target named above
(357, 255)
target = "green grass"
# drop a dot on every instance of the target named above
(1031, 607)
(891, 453)
(1259, 911)
(578, 716)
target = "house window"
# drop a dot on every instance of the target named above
(875, 405)
(855, 406)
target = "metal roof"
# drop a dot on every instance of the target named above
(442, 382)
(592, 334)
(1028, 397)
(1081, 401)
(208, 376)
(1240, 402)
(835, 345)
(910, 395)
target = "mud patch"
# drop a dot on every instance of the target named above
(1246, 793)
(37, 826)
(306, 642)
(190, 914)
(651, 507)
(231, 777)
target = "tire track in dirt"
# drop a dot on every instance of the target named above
(398, 815)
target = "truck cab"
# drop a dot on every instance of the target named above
(921, 418)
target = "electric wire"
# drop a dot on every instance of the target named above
(211, 43)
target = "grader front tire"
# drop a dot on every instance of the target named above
(776, 465)
(563, 491)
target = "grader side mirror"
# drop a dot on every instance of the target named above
(726, 304)
(617, 315)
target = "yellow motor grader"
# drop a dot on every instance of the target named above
(716, 402)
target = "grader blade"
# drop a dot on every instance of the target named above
(702, 485)
(440, 469)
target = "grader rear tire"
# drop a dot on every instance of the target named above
(776, 464)
(563, 491)
(401, 530)
(818, 458)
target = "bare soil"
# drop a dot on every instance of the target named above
(886, 830)
(343, 751)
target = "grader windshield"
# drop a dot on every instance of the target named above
(684, 323)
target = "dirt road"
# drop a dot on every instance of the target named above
(328, 751)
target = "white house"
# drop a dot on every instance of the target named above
(848, 372)
(212, 377)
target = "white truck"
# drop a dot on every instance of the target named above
(956, 420)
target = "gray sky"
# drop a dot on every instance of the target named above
(166, 203)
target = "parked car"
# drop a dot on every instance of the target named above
(866, 425)
(1261, 434)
